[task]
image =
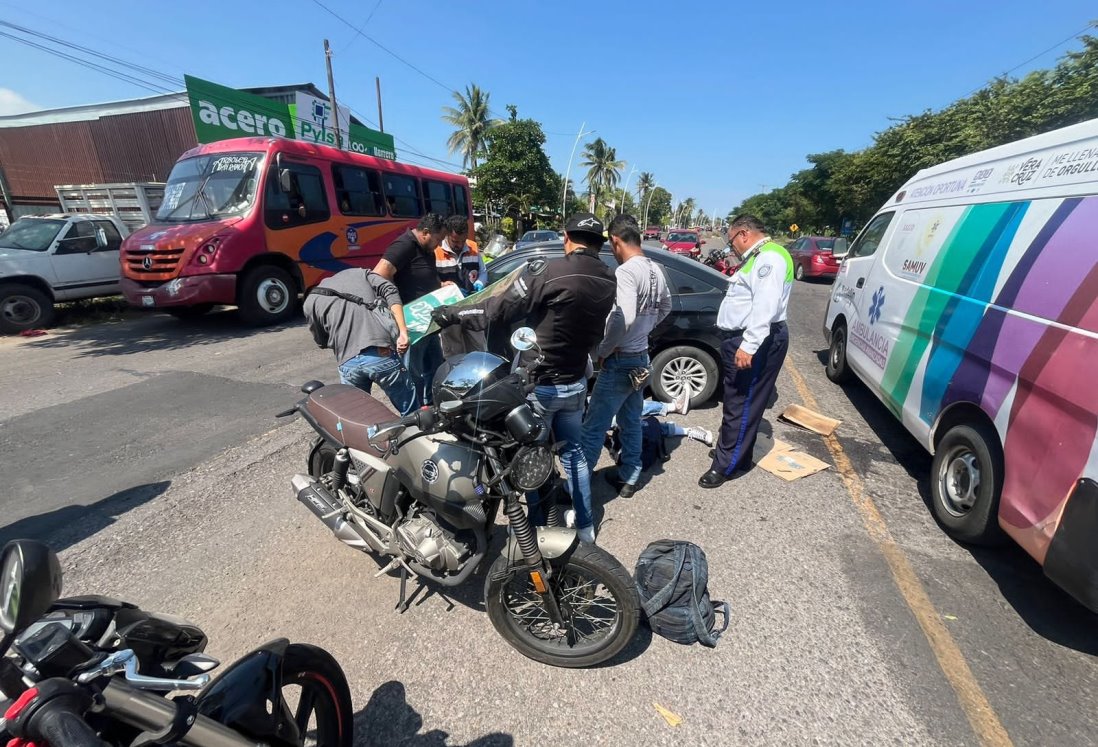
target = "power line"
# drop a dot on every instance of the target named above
(358, 31)
(1060, 43)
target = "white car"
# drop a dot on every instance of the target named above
(50, 258)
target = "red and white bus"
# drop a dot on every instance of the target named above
(253, 222)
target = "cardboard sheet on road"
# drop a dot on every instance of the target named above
(810, 419)
(791, 465)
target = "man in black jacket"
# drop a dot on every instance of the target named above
(566, 301)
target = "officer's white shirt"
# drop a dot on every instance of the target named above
(756, 297)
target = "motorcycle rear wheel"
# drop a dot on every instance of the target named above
(597, 597)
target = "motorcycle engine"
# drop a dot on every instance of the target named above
(429, 544)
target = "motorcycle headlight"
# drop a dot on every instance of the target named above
(531, 467)
(524, 425)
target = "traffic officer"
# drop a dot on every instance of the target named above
(566, 301)
(755, 341)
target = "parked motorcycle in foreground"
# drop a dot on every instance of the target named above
(425, 490)
(93, 671)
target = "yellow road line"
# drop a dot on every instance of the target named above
(952, 662)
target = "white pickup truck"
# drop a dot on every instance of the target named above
(50, 258)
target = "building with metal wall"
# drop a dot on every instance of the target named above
(136, 140)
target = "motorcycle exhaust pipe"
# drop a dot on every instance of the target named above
(326, 507)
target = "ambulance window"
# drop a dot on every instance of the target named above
(870, 238)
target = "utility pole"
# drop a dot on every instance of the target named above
(332, 91)
(380, 119)
(568, 171)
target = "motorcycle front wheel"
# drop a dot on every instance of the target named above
(598, 601)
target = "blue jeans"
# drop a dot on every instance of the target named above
(652, 407)
(422, 360)
(368, 368)
(562, 407)
(614, 395)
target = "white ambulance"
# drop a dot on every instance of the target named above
(969, 306)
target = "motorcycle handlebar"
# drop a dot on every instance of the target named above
(59, 726)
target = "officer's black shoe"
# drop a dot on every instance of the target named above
(625, 490)
(712, 479)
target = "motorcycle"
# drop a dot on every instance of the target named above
(425, 490)
(92, 671)
(721, 260)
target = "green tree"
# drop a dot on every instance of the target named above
(603, 168)
(472, 123)
(516, 177)
(646, 182)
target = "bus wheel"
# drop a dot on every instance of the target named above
(966, 480)
(267, 296)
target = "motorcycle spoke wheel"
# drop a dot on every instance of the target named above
(596, 597)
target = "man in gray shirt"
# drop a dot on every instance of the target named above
(359, 315)
(643, 301)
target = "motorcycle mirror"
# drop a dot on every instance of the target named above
(524, 338)
(30, 581)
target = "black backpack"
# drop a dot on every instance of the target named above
(653, 445)
(672, 577)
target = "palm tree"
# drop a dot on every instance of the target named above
(603, 168)
(646, 182)
(687, 207)
(472, 121)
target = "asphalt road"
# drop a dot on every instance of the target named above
(146, 451)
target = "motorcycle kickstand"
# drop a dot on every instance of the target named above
(402, 603)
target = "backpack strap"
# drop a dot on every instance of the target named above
(321, 291)
(705, 637)
(662, 597)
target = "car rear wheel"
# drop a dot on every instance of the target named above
(799, 272)
(682, 365)
(837, 368)
(966, 480)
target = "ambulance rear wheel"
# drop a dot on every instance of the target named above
(966, 481)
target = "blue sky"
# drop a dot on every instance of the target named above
(716, 99)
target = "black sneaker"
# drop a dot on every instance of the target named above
(624, 489)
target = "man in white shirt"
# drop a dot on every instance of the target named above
(755, 341)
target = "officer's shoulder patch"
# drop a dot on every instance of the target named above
(765, 270)
(537, 266)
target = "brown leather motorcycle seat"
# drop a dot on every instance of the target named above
(346, 412)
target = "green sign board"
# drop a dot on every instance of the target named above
(221, 113)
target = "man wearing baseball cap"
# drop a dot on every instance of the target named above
(566, 301)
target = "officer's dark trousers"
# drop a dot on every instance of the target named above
(746, 393)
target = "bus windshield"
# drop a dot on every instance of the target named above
(207, 187)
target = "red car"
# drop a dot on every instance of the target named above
(652, 232)
(814, 257)
(681, 241)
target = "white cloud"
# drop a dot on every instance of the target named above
(12, 103)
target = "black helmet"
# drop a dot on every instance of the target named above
(467, 374)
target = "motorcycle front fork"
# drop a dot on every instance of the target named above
(539, 571)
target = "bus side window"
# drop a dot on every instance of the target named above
(439, 196)
(358, 190)
(461, 205)
(402, 196)
(867, 242)
(306, 202)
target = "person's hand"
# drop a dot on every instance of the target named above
(402, 343)
(444, 316)
(743, 360)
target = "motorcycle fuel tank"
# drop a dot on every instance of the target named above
(441, 471)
